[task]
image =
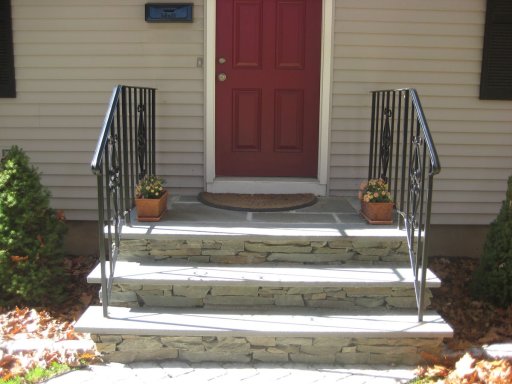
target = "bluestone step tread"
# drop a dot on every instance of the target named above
(160, 322)
(275, 275)
(230, 230)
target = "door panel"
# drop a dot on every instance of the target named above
(288, 120)
(246, 120)
(267, 90)
(290, 31)
(247, 34)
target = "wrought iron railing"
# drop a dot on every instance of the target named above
(403, 153)
(125, 153)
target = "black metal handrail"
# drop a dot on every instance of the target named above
(124, 154)
(403, 153)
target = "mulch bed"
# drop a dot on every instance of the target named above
(475, 322)
(46, 335)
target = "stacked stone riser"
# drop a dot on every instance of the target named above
(347, 298)
(170, 298)
(349, 250)
(309, 350)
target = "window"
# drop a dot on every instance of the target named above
(7, 81)
(496, 76)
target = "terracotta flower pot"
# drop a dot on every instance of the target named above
(377, 213)
(151, 209)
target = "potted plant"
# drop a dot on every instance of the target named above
(150, 198)
(376, 203)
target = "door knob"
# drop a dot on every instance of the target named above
(222, 60)
(222, 77)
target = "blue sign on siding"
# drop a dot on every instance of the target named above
(168, 12)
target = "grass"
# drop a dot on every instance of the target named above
(38, 374)
(423, 380)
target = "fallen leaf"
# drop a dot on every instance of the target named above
(86, 298)
(491, 336)
(465, 367)
(18, 259)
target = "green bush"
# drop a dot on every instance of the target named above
(31, 236)
(492, 280)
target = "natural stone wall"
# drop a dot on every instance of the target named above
(309, 350)
(348, 250)
(347, 298)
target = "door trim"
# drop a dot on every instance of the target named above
(318, 186)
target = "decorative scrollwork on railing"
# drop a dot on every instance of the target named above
(385, 145)
(142, 141)
(114, 178)
(415, 177)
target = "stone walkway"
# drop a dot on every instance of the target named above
(179, 372)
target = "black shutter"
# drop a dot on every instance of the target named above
(7, 81)
(496, 77)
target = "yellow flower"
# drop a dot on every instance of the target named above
(374, 190)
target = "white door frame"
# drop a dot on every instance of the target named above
(318, 185)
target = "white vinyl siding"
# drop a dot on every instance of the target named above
(436, 47)
(69, 54)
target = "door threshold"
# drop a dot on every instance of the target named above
(281, 185)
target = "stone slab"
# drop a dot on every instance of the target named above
(278, 217)
(271, 371)
(306, 323)
(332, 204)
(283, 276)
(194, 220)
(202, 213)
(257, 230)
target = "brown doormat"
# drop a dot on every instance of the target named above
(257, 202)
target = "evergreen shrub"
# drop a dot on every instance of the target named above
(492, 280)
(31, 236)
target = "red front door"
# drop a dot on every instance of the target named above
(267, 87)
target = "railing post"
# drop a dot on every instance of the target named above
(372, 136)
(101, 239)
(376, 136)
(426, 245)
(398, 114)
(386, 140)
(126, 174)
(404, 156)
(133, 155)
(153, 132)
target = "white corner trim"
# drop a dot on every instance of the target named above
(317, 186)
(209, 147)
(325, 91)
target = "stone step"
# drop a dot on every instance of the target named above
(302, 336)
(247, 249)
(263, 275)
(318, 286)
